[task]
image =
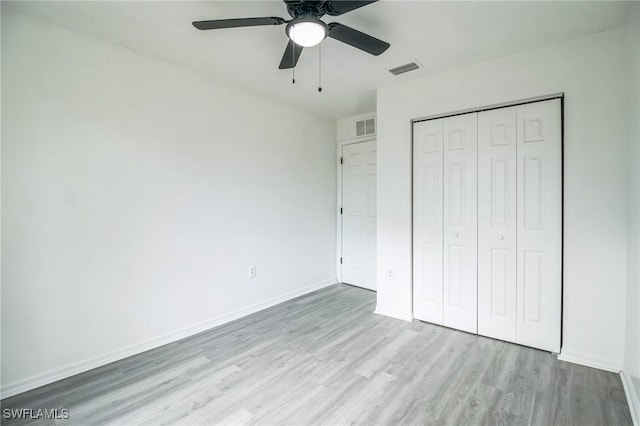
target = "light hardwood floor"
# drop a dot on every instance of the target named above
(325, 358)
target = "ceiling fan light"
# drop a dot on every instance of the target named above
(307, 33)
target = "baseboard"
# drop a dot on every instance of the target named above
(589, 362)
(632, 398)
(359, 286)
(17, 387)
(403, 317)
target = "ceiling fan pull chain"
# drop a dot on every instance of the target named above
(320, 67)
(293, 61)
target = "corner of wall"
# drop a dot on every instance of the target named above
(631, 368)
(632, 397)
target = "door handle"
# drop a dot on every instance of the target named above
(456, 235)
(500, 238)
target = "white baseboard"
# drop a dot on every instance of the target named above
(589, 362)
(19, 386)
(632, 398)
(402, 317)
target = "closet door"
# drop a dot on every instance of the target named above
(497, 223)
(427, 220)
(539, 224)
(460, 302)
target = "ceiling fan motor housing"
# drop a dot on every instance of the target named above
(297, 8)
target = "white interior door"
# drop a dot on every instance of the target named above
(497, 223)
(539, 222)
(460, 272)
(427, 220)
(359, 214)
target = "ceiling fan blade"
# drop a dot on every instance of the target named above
(235, 23)
(338, 7)
(357, 39)
(290, 56)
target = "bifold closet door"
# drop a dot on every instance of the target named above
(460, 274)
(487, 223)
(497, 223)
(519, 224)
(445, 221)
(539, 224)
(427, 220)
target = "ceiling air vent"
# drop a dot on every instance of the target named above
(404, 68)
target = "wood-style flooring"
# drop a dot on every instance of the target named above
(326, 359)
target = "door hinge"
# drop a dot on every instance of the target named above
(341, 160)
(341, 261)
(340, 210)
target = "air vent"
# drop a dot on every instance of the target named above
(404, 68)
(366, 127)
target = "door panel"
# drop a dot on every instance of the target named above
(359, 214)
(460, 286)
(539, 224)
(427, 220)
(497, 223)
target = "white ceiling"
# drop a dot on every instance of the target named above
(439, 35)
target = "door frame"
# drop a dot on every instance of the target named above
(340, 145)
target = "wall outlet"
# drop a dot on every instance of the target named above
(252, 271)
(390, 273)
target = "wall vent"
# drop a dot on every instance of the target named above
(366, 127)
(404, 68)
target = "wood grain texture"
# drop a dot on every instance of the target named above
(325, 358)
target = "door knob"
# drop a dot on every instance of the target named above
(500, 238)
(456, 235)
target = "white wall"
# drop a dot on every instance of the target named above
(632, 341)
(590, 71)
(136, 194)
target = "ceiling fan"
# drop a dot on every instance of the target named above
(306, 29)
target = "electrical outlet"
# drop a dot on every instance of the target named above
(252, 271)
(390, 273)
